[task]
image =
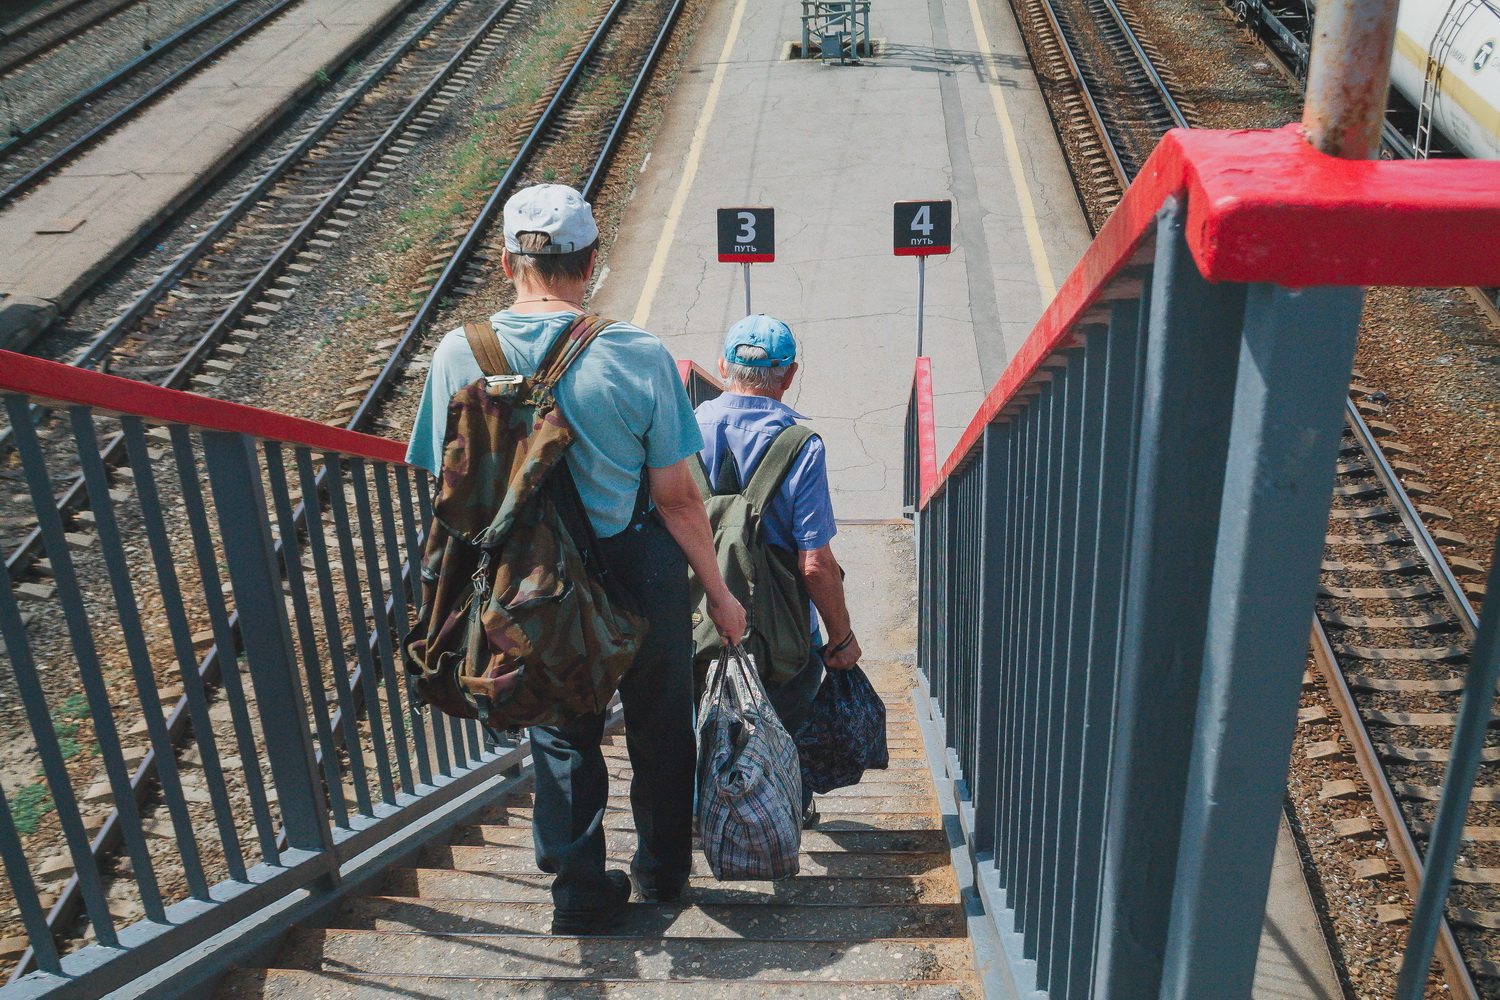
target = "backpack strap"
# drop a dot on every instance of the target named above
(771, 471)
(568, 346)
(700, 476)
(485, 344)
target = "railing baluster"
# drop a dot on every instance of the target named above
(385, 649)
(234, 475)
(307, 636)
(18, 874)
(90, 675)
(404, 489)
(348, 713)
(395, 559)
(224, 639)
(193, 687)
(367, 687)
(112, 549)
(55, 770)
(1294, 353)
(1192, 353)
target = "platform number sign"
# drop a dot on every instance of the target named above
(923, 227)
(747, 235)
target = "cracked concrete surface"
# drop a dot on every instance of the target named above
(136, 177)
(831, 147)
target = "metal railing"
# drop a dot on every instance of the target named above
(920, 470)
(701, 384)
(1117, 564)
(258, 571)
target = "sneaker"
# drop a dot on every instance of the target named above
(810, 816)
(599, 920)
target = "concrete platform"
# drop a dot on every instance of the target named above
(125, 186)
(948, 108)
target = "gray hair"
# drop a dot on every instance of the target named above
(754, 376)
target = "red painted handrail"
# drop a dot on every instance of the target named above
(686, 369)
(1264, 206)
(49, 381)
(921, 388)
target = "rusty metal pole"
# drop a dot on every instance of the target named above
(1348, 75)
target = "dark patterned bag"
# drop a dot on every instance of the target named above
(516, 627)
(844, 732)
(749, 792)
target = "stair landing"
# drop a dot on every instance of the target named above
(874, 912)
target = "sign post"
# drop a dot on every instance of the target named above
(747, 236)
(921, 229)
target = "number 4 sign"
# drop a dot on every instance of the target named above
(923, 227)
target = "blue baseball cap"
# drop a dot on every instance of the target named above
(765, 332)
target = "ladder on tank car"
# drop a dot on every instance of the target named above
(1453, 22)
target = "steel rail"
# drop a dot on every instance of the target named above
(24, 137)
(492, 206)
(101, 345)
(8, 66)
(1122, 176)
(1398, 835)
(1426, 545)
(1160, 85)
(37, 174)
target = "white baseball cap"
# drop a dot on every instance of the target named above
(554, 209)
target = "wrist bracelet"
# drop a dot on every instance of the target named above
(843, 645)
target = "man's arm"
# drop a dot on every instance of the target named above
(825, 585)
(681, 507)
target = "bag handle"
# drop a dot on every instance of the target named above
(772, 470)
(484, 342)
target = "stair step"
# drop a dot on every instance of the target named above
(525, 956)
(918, 801)
(621, 820)
(532, 888)
(292, 984)
(852, 841)
(523, 859)
(655, 920)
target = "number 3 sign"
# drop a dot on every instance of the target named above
(747, 235)
(923, 227)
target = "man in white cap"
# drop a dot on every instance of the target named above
(635, 433)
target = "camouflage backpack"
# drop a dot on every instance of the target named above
(763, 577)
(518, 626)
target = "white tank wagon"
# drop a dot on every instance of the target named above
(1447, 63)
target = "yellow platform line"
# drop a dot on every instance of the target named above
(1029, 221)
(689, 172)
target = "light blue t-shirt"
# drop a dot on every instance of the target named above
(623, 397)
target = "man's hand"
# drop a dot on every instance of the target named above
(728, 616)
(843, 659)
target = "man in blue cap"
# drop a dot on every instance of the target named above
(759, 364)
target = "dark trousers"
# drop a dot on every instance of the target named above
(572, 785)
(793, 699)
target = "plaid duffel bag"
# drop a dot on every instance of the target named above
(749, 777)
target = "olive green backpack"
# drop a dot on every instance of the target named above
(763, 577)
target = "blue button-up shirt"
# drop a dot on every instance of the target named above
(800, 516)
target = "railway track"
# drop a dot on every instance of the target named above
(58, 26)
(1106, 83)
(607, 54)
(33, 152)
(1394, 619)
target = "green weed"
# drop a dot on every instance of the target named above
(28, 806)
